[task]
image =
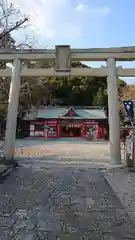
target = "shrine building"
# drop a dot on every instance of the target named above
(58, 122)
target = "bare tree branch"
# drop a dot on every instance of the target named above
(17, 25)
(11, 19)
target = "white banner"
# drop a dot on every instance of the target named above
(129, 144)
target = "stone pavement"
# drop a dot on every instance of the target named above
(122, 182)
(39, 202)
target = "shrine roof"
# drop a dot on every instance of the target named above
(67, 113)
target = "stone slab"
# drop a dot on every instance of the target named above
(123, 184)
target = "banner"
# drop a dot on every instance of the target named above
(129, 144)
(129, 107)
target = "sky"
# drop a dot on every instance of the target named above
(80, 23)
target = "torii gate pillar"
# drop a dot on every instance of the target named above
(10, 134)
(114, 120)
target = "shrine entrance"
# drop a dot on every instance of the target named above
(70, 130)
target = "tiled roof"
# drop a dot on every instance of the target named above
(49, 113)
(91, 113)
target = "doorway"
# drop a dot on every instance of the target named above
(70, 131)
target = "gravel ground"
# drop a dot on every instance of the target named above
(65, 152)
(60, 149)
(123, 184)
(66, 149)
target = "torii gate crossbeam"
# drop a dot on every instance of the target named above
(63, 56)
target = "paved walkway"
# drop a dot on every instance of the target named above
(122, 182)
(39, 202)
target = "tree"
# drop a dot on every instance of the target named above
(8, 24)
(10, 20)
(99, 97)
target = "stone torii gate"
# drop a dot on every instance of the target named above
(62, 56)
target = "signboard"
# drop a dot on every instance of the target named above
(129, 107)
(74, 125)
(71, 123)
(32, 127)
(129, 144)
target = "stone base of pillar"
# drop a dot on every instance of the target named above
(129, 161)
(116, 163)
(131, 169)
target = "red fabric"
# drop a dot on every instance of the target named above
(100, 132)
(105, 132)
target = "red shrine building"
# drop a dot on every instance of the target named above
(58, 122)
